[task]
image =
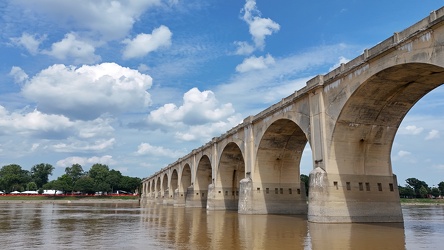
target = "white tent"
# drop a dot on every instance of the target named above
(15, 192)
(30, 192)
(48, 192)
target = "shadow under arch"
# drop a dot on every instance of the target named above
(165, 191)
(224, 193)
(198, 192)
(174, 183)
(152, 189)
(158, 189)
(360, 176)
(185, 183)
(277, 187)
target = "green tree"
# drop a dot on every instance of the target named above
(85, 184)
(406, 192)
(13, 177)
(113, 179)
(423, 192)
(441, 187)
(75, 172)
(305, 180)
(63, 183)
(130, 184)
(31, 186)
(100, 172)
(435, 191)
(40, 173)
(416, 185)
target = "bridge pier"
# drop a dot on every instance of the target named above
(179, 198)
(196, 198)
(336, 198)
(222, 198)
(271, 198)
(167, 198)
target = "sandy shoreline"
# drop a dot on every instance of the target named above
(421, 204)
(84, 201)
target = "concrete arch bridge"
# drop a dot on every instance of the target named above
(349, 118)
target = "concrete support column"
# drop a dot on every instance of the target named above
(196, 198)
(271, 198)
(179, 198)
(222, 198)
(245, 203)
(168, 198)
(345, 198)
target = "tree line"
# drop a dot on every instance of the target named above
(414, 188)
(98, 179)
(420, 189)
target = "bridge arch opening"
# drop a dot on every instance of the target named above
(185, 179)
(418, 144)
(230, 172)
(360, 181)
(174, 183)
(277, 168)
(368, 122)
(203, 179)
(158, 189)
(165, 186)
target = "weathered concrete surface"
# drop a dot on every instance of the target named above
(349, 117)
(353, 198)
(273, 199)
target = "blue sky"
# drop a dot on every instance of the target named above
(137, 84)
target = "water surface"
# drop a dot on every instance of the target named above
(130, 226)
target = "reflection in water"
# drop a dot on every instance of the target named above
(357, 236)
(117, 226)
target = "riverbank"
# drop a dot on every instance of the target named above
(420, 202)
(69, 199)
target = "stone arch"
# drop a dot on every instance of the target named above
(158, 188)
(146, 188)
(230, 172)
(367, 124)
(276, 176)
(279, 153)
(185, 178)
(203, 173)
(203, 178)
(174, 182)
(164, 186)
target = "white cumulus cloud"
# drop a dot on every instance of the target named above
(30, 42)
(412, 130)
(148, 149)
(52, 126)
(88, 92)
(403, 153)
(19, 74)
(255, 63)
(143, 44)
(69, 161)
(109, 19)
(71, 47)
(259, 27)
(433, 134)
(198, 108)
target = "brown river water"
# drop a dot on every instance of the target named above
(130, 226)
